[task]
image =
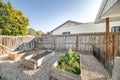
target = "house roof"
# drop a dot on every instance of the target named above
(113, 11)
(69, 21)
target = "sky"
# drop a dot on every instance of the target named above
(46, 15)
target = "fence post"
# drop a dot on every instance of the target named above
(114, 46)
(77, 43)
(107, 40)
(54, 43)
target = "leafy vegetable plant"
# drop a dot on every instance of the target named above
(70, 62)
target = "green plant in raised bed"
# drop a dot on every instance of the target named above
(70, 62)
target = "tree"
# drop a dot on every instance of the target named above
(39, 33)
(12, 21)
(33, 32)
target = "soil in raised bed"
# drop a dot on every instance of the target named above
(41, 55)
(29, 53)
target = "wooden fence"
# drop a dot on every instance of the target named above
(16, 43)
(87, 43)
(78, 42)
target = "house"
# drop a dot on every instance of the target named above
(72, 27)
(62, 28)
(110, 12)
(109, 9)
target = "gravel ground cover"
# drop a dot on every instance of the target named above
(13, 70)
(92, 69)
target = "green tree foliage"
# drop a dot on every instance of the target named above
(70, 62)
(33, 32)
(12, 21)
(39, 33)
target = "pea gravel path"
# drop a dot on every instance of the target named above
(13, 70)
(92, 69)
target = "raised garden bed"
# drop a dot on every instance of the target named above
(36, 61)
(15, 55)
(19, 55)
(61, 74)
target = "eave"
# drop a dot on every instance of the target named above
(113, 13)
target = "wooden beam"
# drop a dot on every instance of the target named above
(77, 43)
(6, 47)
(54, 43)
(114, 46)
(107, 40)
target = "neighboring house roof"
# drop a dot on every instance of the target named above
(108, 8)
(69, 21)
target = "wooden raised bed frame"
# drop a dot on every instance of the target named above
(15, 55)
(19, 55)
(62, 75)
(37, 60)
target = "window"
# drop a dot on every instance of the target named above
(66, 33)
(115, 29)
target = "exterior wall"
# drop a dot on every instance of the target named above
(84, 28)
(65, 25)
